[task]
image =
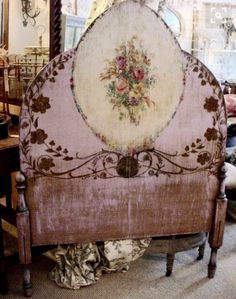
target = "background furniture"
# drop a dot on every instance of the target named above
(229, 91)
(170, 245)
(4, 85)
(170, 185)
(9, 162)
(22, 71)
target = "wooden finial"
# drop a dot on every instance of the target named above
(21, 186)
(222, 178)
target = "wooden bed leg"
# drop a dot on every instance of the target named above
(3, 271)
(217, 232)
(201, 251)
(23, 230)
(169, 264)
(212, 263)
(27, 285)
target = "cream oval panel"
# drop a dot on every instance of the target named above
(128, 76)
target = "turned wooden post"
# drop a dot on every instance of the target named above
(23, 230)
(55, 28)
(3, 271)
(216, 235)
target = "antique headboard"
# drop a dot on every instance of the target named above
(122, 137)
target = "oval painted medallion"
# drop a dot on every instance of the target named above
(128, 76)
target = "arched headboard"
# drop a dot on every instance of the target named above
(122, 137)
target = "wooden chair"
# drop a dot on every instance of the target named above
(123, 137)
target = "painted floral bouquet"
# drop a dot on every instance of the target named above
(130, 81)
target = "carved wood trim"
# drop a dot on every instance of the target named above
(55, 28)
(216, 235)
(23, 221)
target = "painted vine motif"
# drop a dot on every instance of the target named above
(130, 79)
(216, 108)
(110, 164)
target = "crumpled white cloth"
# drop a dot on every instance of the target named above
(83, 264)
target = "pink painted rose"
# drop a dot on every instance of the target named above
(121, 62)
(122, 85)
(138, 74)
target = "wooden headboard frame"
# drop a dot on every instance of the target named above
(69, 181)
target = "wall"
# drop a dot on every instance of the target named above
(184, 11)
(211, 44)
(220, 62)
(20, 36)
(203, 35)
(83, 7)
